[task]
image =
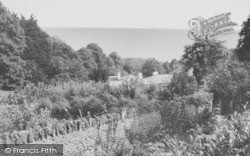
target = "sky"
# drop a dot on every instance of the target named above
(163, 14)
(133, 28)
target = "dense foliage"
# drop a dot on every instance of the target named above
(202, 111)
(229, 83)
(12, 44)
(166, 66)
(150, 66)
(243, 47)
(203, 57)
(30, 55)
(133, 65)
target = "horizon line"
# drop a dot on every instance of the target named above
(136, 28)
(76, 27)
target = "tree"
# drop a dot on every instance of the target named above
(95, 61)
(133, 65)
(203, 57)
(62, 49)
(12, 44)
(182, 84)
(62, 57)
(229, 84)
(112, 70)
(88, 61)
(94, 47)
(75, 70)
(167, 67)
(116, 59)
(49, 58)
(152, 65)
(243, 48)
(172, 64)
(38, 50)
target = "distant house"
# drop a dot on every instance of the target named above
(115, 78)
(118, 80)
(159, 79)
(156, 79)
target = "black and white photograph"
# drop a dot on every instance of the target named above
(124, 78)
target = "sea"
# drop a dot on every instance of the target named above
(161, 44)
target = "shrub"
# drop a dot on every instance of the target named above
(127, 102)
(145, 105)
(131, 88)
(164, 93)
(76, 105)
(115, 110)
(225, 137)
(70, 93)
(229, 83)
(182, 84)
(151, 91)
(109, 100)
(85, 105)
(95, 105)
(45, 103)
(15, 117)
(144, 126)
(183, 113)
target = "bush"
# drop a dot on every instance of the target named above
(85, 105)
(229, 83)
(78, 104)
(127, 102)
(181, 84)
(145, 105)
(164, 93)
(144, 126)
(45, 103)
(185, 112)
(131, 89)
(15, 117)
(225, 137)
(95, 105)
(152, 91)
(70, 93)
(110, 100)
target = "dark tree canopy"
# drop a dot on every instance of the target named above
(152, 65)
(202, 56)
(65, 63)
(166, 66)
(95, 61)
(243, 47)
(116, 59)
(229, 84)
(38, 50)
(94, 47)
(112, 70)
(12, 44)
(133, 65)
(172, 64)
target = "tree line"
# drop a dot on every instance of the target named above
(30, 55)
